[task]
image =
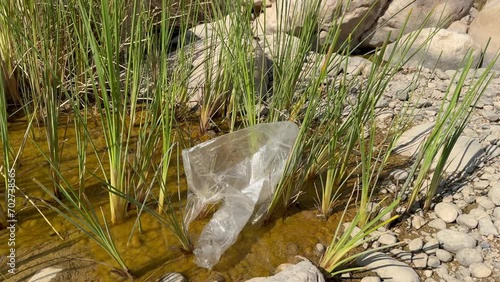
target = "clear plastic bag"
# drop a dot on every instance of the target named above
(240, 169)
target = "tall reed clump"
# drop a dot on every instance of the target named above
(4, 138)
(42, 56)
(117, 110)
(433, 154)
(332, 113)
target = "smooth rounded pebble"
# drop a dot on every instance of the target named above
(415, 245)
(387, 239)
(433, 261)
(467, 220)
(447, 212)
(420, 260)
(479, 270)
(172, 277)
(438, 223)
(392, 270)
(453, 241)
(467, 256)
(444, 255)
(431, 246)
(486, 227)
(494, 195)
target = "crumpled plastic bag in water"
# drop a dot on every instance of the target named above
(241, 170)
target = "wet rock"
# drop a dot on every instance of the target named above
(390, 269)
(447, 212)
(303, 271)
(172, 277)
(453, 241)
(468, 256)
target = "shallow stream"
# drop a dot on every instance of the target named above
(154, 250)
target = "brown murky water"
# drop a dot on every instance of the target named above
(153, 251)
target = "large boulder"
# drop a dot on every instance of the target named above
(207, 58)
(445, 50)
(353, 17)
(440, 13)
(486, 27)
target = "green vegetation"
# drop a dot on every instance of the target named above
(109, 61)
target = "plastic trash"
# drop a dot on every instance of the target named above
(241, 170)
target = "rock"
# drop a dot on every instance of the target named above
(491, 116)
(303, 271)
(207, 56)
(486, 227)
(458, 27)
(438, 52)
(417, 222)
(485, 27)
(415, 245)
(275, 45)
(212, 30)
(444, 255)
(464, 156)
(496, 213)
(371, 279)
(431, 246)
(320, 249)
(45, 274)
(399, 175)
(486, 203)
(446, 211)
(409, 142)
(479, 270)
(396, 14)
(288, 16)
(453, 241)
(468, 256)
(437, 223)
(494, 195)
(402, 255)
(433, 261)
(387, 239)
(390, 269)
(420, 260)
(478, 213)
(467, 220)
